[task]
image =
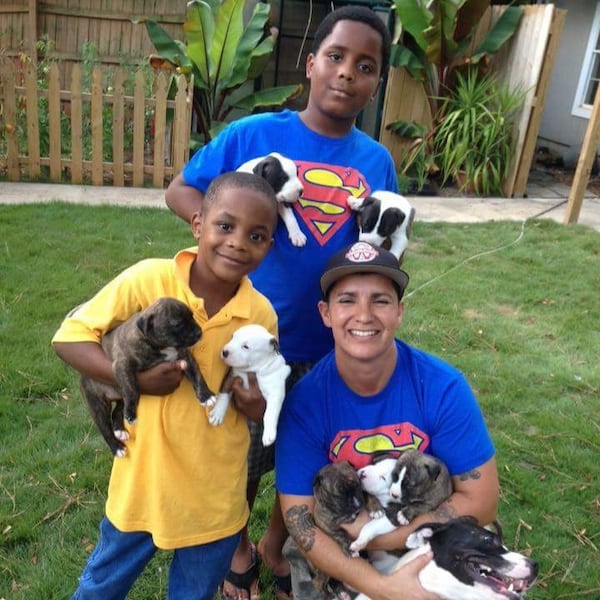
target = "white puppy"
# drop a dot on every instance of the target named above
(252, 349)
(384, 215)
(282, 174)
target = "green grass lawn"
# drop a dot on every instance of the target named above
(523, 323)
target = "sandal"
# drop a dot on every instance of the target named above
(282, 585)
(243, 581)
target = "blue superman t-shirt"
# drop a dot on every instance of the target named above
(427, 405)
(330, 170)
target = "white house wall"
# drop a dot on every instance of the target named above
(559, 128)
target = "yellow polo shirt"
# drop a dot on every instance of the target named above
(182, 480)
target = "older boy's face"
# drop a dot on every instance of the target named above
(364, 313)
(345, 73)
(235, 233)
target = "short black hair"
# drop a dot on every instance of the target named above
(238, 179)
(360, 14)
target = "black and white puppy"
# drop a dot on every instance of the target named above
(164, 331)
(407, 486)
(282, 174)
(469, 562)
(252, 349)
(384, 216)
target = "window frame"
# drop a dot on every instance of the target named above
(580, 108)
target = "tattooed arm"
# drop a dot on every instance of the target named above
(475, 493)
(327, 556)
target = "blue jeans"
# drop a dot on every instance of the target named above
(119, 558)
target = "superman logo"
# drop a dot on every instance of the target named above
(358, 445)
(323, 206)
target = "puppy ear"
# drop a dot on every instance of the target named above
(273, 341)
(411, 218)
(318, 481)
(145, 324)
(263, 168)
(370, 211)
(434, 470)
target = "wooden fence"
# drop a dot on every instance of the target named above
(109, 26)
(106, 134)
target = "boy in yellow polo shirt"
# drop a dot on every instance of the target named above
(182, 484)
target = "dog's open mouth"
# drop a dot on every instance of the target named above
(511, 588)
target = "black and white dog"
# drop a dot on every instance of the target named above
(384, 216)
(282, 174)
(469, 562)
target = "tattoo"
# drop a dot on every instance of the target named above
(445, 511)
(301, 526)
(474, 474)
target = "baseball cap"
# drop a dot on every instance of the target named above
(362, 257)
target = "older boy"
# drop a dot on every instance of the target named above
(350, 54)
(167, 492)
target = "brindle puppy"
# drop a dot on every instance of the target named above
(339, 499)
(162, 332)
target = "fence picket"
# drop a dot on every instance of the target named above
(54, 141)
(33, 124)
(183, 103)
(97, 126)
(160, 128)
(10, 118)
(118, 124)
(76, 126)
(138, 129)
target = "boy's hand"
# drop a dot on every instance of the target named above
(248, 401)
(162, 379)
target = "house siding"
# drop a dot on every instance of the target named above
(560, 128)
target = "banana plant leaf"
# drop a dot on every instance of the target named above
(229, 26)
(408, 129)
(500, 33)
(250, 49)
(265, 98)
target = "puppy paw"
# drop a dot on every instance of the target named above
(419, 538)
(355, 547)
(121, 452)
(268, 438)
(121, 434)
(217, 413)
(298, 239)
(216, 417)
(376, 514)
(210, 402)
(401, 519)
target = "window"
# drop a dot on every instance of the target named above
(590, 72)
